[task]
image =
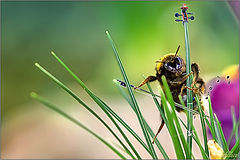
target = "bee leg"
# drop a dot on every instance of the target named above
(148, 79)
(195, 90)
(201, 85)
(178, 82)
(195, 70)
(183, 87)
(159, 130)
(186, 77)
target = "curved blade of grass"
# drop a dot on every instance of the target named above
(204, 155)
(225, 145)
(219, 139)
(233, 153)
(236, 133)
(158, 144)
(102, 105)
(188, 84)
(83, 104)
(126, 97)
(235, 127)
(161, 113)
(212, 119)
(174, 115)
(181, 100)
(158, 105)
(209, 125)
(203, 124)
(147, 93)
(118, 146)
(64, 114)
(132, 97)
(172, 130)
(196, 139)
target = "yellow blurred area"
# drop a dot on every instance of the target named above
(232, 71)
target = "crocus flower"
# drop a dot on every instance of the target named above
(224, 95)
(216, 152)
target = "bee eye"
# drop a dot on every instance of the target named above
(178, 66)
(169, 67)
(178, 63)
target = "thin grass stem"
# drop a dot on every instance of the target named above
(133, 99)
(172, 129)
(107, 110)
(64, 114)
(212, 119)
(83, 104)
(189, 92)
(174, 115)
(203, 124)
(158, 105)
(222, 137)
(196, 139)
(126, 97)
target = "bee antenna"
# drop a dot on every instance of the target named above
(177, 50)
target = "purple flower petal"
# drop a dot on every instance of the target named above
(223, 97)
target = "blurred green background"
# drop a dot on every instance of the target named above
(75, 31)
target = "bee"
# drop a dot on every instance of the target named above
(173, 67)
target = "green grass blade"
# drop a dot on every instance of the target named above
(209, 125)
(233, 153)
(83, 104)
(234, 127)
(235, 124)
(172, 130)
(188, 84)
(218, 136)
(236, 130)
(158, 144)
(101, 104)
(62, 113)
(225, 145)
(162, 116)
(181, 100)
(196, 139)
(205, 155)
(126, 97)
(158, 105)
(212, 119)
(203, 124)
(174, 115)
(133, 99)
(109, 110)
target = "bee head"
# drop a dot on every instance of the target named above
(174, 64)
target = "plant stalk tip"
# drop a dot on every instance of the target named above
(53, 53)
(36, 64)
(107, 32)
(33, 94)
(114, 80)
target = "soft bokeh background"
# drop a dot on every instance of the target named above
(75, 31)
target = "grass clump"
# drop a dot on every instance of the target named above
(180, 142)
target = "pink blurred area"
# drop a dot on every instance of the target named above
(225, 98)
